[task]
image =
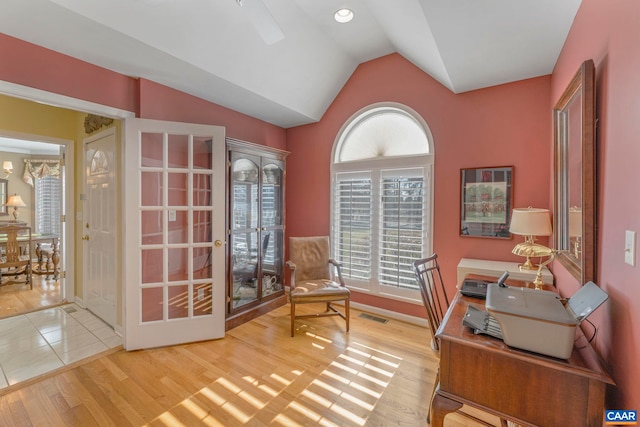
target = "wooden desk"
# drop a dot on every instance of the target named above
(524, 387)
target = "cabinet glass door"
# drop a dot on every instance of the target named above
(272, 226)
(245, 231)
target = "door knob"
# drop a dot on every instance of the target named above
(85, 237)
(218, 243)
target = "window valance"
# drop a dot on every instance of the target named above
(34, 169)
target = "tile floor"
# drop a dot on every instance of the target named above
(35, 343)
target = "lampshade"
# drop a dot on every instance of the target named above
(7, 166)
(530, 222)
(15, 201)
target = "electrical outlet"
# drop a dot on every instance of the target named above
(630, 248)
(200, 294)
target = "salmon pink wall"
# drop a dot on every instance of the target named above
(609, 33)
(500, 126)
(163, 103)
(30, 65)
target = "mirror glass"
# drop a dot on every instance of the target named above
(574, 210)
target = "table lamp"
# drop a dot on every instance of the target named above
(16, 202)
(530, 222)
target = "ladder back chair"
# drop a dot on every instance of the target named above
(436, 302)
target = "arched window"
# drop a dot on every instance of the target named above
(382, 192)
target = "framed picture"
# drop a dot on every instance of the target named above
(486, 197)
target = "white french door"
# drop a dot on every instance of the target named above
(99, 226)
(174, 233)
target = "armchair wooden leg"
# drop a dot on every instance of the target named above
(293, 318)
(346, 313)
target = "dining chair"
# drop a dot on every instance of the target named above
(15, 256)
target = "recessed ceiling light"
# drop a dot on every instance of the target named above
(343, 15)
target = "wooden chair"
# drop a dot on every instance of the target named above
(15, 260)
(436, 302)
(311, 278)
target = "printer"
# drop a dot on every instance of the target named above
(540, 321)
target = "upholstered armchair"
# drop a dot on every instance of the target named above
(312, 280)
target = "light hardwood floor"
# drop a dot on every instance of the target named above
(375, 375)
(19, 299)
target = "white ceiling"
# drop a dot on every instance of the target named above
(24, 146)
(213, 49)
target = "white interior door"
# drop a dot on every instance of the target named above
(174, 233)
(99, 225)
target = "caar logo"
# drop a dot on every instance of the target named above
(620, 417)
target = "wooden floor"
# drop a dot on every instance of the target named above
(376, 375)
(19, 299)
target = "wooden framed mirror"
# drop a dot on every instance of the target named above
(575, 175)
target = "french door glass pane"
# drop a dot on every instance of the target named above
(152, 265)
(152, 304)
(151, 150)
(178, 151)
(178, 227)
(177, 189)
(178, 301)
(202, 152)
(202, 226)
(177, 264)
(151, 225)
(201, 190)
(202, 302)
(151, 186)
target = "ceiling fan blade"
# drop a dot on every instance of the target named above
(262, 20)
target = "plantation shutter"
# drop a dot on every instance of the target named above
(402, 225)
(48, 194)
(352, 224)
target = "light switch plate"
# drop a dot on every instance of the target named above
(630, 248)
(172, 214)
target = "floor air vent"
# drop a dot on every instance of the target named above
(374, 318)
(69, 309)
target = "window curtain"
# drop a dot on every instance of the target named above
(34, 169)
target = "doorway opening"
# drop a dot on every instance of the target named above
(35, 173)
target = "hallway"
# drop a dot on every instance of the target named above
(41, 341)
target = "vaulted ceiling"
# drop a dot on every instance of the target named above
(284, 61)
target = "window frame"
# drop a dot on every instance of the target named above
(376, 166)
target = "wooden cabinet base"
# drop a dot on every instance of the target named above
(245, 316)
